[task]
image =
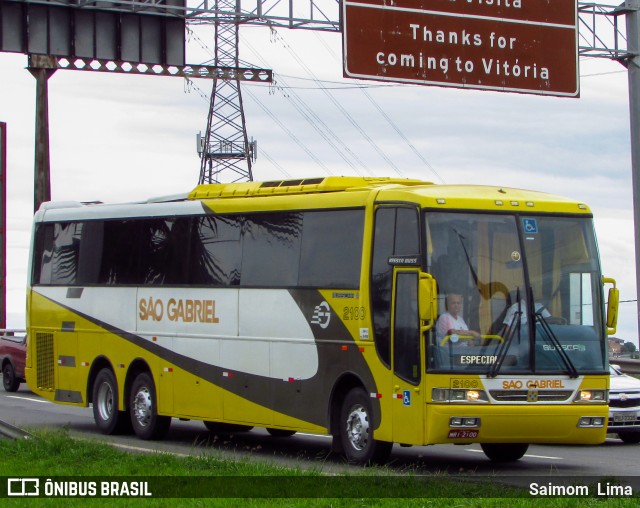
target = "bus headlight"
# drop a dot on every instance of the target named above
(466, 395)
(591, 396)
(464, 421)
(591, 422)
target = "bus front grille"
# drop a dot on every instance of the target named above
(525, 395)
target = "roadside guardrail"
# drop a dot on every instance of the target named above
(9, 431)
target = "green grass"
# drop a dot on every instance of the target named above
(207, 480)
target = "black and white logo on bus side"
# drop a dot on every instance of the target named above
(321, 315)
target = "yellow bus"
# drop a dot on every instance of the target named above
(321, 306)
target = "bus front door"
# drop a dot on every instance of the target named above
(407, 359)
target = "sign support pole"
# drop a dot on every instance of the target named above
(3, 225)
(632, 10)
(42, 171)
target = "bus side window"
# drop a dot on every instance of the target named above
(216, 252)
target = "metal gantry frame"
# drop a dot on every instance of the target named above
(601, 34)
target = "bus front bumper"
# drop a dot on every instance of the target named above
(466, 423)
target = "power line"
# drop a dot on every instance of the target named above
(288, 131)
(190, 85)
(339, 106)
(388, 119)
(401, 134)
(314, 120)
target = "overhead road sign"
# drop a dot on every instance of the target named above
(527, 46)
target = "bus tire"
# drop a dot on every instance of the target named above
(9, 380)
(356, 430)
(105, 405)
(504, 452)
(143, 406)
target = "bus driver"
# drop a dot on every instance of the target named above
(451, 322)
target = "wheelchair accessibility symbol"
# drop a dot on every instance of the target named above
(530, 226)
(406, 397)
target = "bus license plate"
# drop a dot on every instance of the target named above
(625, 417)
(463, 434)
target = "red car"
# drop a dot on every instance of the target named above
(13, 353)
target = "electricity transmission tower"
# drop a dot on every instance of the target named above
(225, 150)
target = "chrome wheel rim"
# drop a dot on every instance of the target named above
(105, 401)
(142, 407)
(358, 428)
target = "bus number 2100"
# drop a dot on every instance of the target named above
(353, 313)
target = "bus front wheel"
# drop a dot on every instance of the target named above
(143, 406)
(105, 405)
(504, 452)
(356, 430)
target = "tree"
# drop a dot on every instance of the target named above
(628, 347)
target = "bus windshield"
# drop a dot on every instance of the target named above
(516, 294)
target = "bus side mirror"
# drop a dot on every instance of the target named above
(612, 306)
(428, 298)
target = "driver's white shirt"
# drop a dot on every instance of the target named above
(447, 322)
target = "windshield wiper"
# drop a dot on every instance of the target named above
(514, 326)
(551, 337)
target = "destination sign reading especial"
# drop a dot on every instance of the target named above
(527, 46)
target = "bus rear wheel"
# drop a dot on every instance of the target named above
(143, 405)
(504, 452)
(356, 430)
(105, 405)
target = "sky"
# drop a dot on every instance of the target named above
(119, 138)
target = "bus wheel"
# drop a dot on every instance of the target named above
(105, 405)
(143, 405)
(281, 432)
(503, 452)
(356, 430)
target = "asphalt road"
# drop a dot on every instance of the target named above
(613, 459)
